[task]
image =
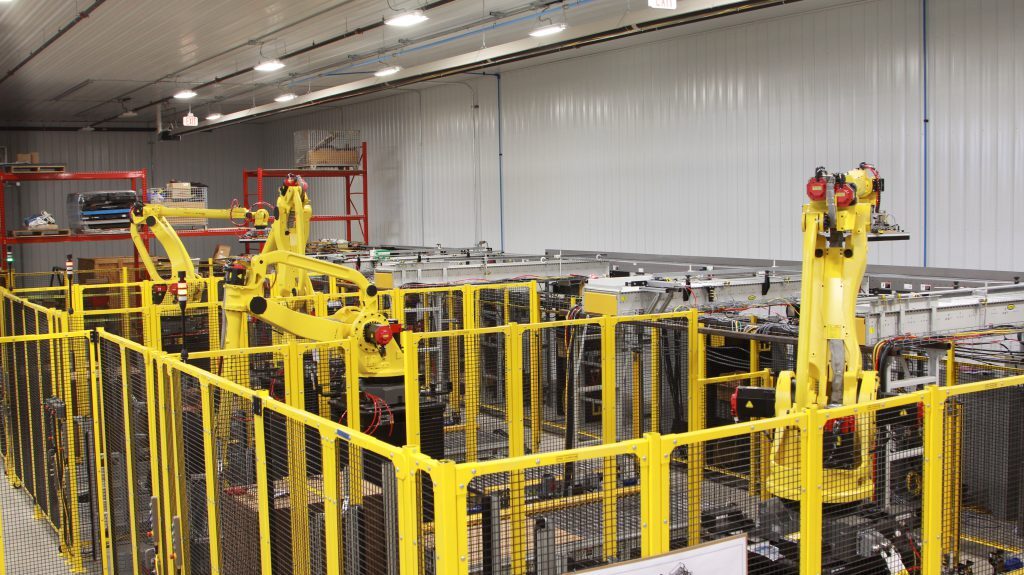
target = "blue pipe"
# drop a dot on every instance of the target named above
(443, 41)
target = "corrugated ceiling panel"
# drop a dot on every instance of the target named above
(701, 144)
(976, 149)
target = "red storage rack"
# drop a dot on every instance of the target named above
(137, 179)
(356, 196)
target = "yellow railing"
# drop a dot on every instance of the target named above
(562, 444)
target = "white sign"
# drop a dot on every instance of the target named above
(190, 120)
(722, 557)
(662, 4)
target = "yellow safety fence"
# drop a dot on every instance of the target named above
(523, 448)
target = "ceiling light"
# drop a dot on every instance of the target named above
(390, 70)
(407, 19)
(547, 30)
(287, 97)
(214, 116)
(87, 129)
(128, 114)
(269, 65)
(185, 94)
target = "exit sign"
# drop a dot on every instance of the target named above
(662, 4)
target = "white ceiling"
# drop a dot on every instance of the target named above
(146, 50)
(137, 53)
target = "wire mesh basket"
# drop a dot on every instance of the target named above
(326, 149)
(182, 195)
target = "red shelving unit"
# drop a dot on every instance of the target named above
(356, 197)
(137, 180)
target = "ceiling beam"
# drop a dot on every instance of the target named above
(50, 41)
(590, 34)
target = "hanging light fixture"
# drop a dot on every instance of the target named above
(548, 29)
(269, 65)
(389, 71)
(286, 97)
(186, 94)
(214, 116)
(406, 19)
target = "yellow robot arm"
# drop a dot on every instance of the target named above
(154, 217)
(365, 324)
(290, 233)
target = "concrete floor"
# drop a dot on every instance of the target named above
(30, 544)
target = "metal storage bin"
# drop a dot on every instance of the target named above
(316, 149)
(100, 211)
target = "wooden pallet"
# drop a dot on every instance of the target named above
(331, 167)
(35, 169)
(42, 232)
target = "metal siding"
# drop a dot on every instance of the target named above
(701, 144)
(216, 159)
(423, 159)
(976, 154)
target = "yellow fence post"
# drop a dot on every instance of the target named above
(472, 373)
(932, 495)
(262, 484)
(451, 537)
(811, 458)
(99, 433)
(332, 506)
(411, 343)
(408, 511)
(515, 421)
(296, 455)
(654, 504)
(609, 416)
(536, 401)
(695, 451)
(212, 488)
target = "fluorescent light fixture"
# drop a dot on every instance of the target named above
(87, 129)
(286, 97)
(185, 94)
(407, 19)
(390, 70)
(547, 30)
(214, 116)
(269, 65)
(128, 114)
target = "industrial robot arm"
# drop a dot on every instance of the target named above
(244, 295)
(154, 217)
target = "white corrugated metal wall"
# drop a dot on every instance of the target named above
(698, 144)
(976, 133)
(216, 159)
(432, 163)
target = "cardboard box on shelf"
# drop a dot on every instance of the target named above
(333, 157)
(30, 157)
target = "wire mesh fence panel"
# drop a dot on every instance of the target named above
(502, 305)
(197, 330)
(432, 309)
(562, 383)
(652, 377)
(463, 411)
(49, 297)
(424, 509)
(748, 484)
(324, 377)
(27, 280)
(48, 498)
(128, 323)
(125, 397)
(553, 519)
(116, 296)
(871, 490)
(294, 474)
(235, 467)
(369, 512)
(557, 297)
(983, 481)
